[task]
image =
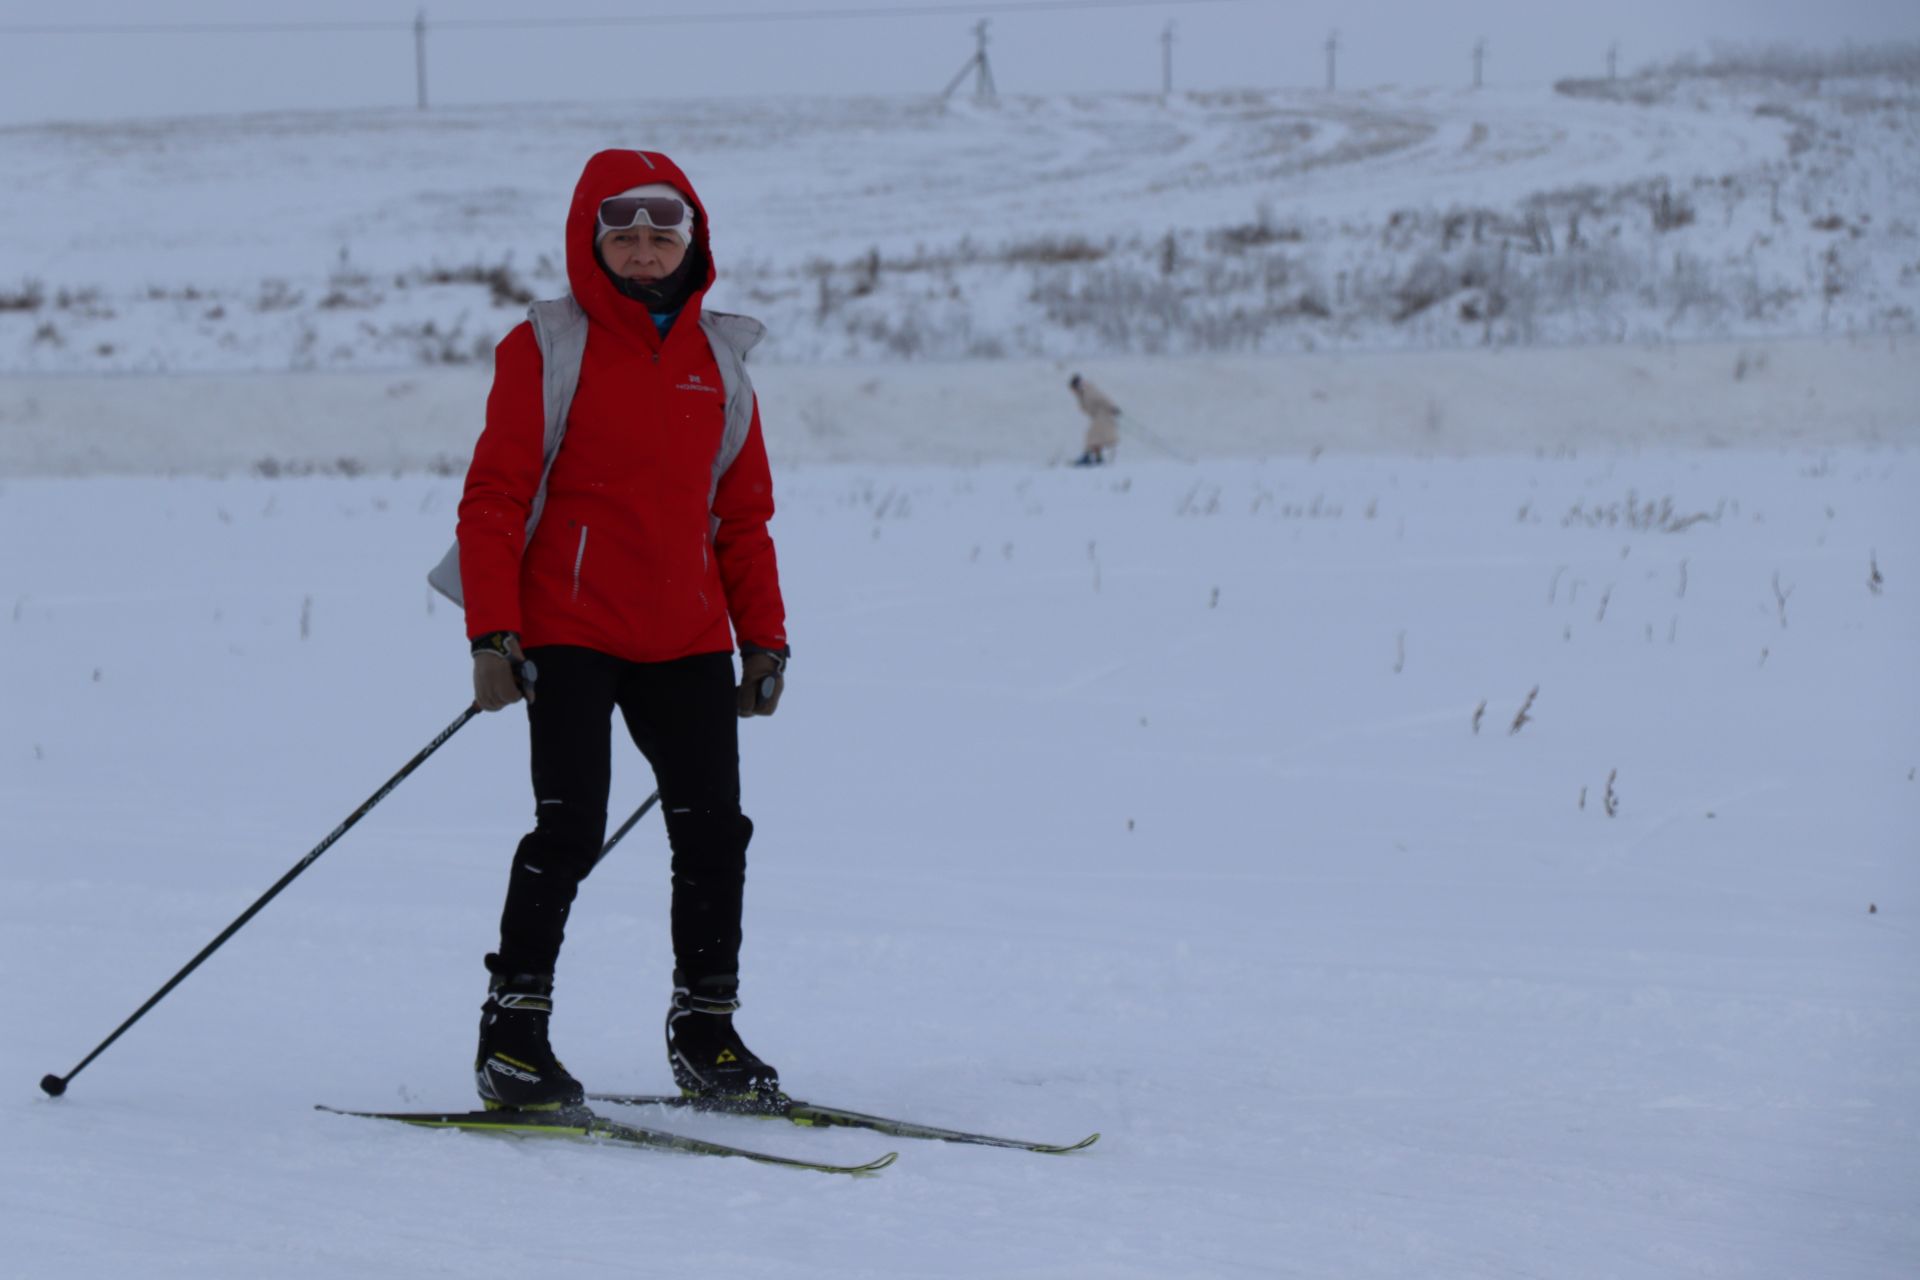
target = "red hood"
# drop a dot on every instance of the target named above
(608, 173)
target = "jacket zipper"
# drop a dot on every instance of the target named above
(579, 556)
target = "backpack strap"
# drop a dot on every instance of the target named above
(731, 337)
(560, 327)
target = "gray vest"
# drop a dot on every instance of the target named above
(560, 327)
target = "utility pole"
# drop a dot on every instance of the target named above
(1166, 61)
(1333, 48)
(420, 58)
(983, 90)
(1613, 61)
(1479, 57)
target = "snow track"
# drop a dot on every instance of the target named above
(886, 228)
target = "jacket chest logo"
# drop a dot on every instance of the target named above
(693, 383)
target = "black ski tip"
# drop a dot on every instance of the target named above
(54, 1085)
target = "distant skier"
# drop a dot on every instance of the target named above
(649, 556)
(1103, 422)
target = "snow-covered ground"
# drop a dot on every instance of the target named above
(1657, 208)
(1457, 819)
(1192, 804)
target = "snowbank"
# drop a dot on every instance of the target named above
(1443, 402)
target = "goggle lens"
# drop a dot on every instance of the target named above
(665, 213)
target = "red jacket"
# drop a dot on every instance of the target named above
(629, 557)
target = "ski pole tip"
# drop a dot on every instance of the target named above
(54, 1085)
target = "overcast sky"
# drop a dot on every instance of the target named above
(1034, 49)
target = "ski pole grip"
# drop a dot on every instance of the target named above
(524, 673)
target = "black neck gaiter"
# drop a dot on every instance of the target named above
(670, 292)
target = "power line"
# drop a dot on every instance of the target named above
(198, 28)
(791, 15)
(671, 19)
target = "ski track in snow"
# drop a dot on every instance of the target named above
(460, 183)
(1145, 800)
(896, 229)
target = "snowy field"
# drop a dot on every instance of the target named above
(1657, 208)
(1458, 819)
(1191, 804)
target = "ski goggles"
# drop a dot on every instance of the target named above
(662, 213)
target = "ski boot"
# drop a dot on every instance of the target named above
(515, 1069)
(710, 1063)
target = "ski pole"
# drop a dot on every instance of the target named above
(1143, 430)
(57, 1085)
(625, 827)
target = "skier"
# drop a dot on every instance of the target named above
(1103, 422)
(649, 555)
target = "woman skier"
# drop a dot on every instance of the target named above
(613, 531)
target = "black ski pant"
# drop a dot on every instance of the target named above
(682, 716)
